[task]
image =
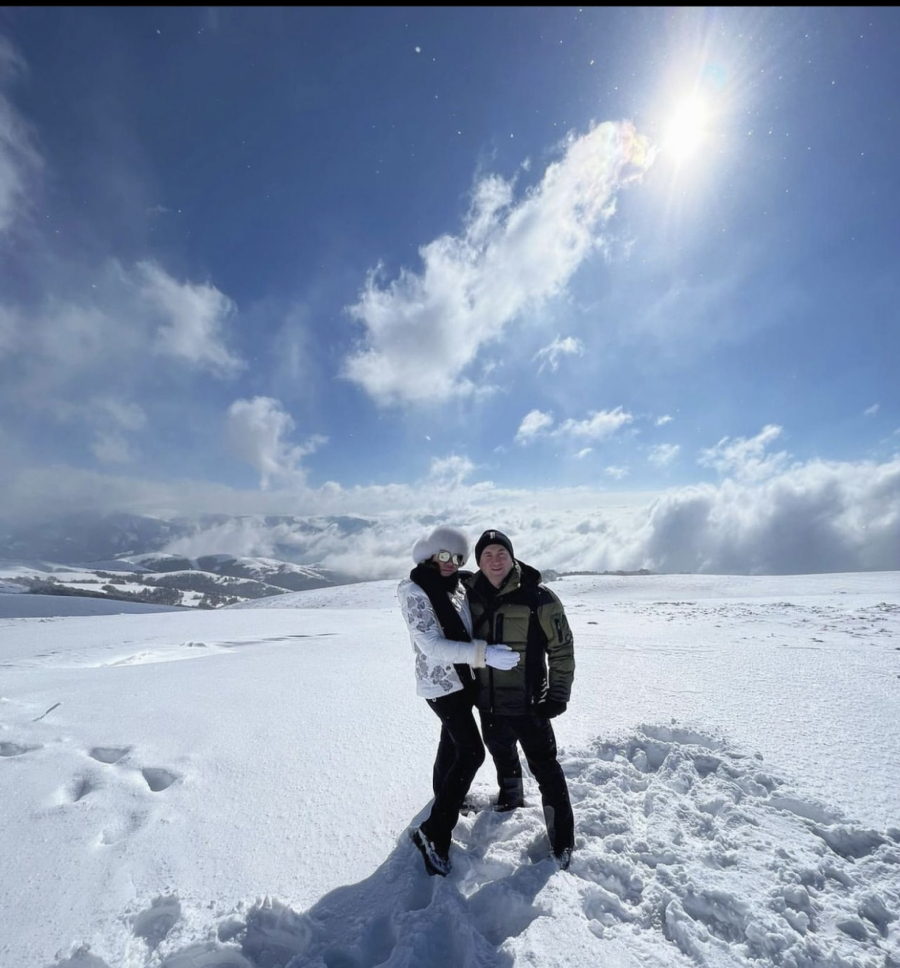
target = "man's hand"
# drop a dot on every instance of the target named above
(501, 657)
(550, 708)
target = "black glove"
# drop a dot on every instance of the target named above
(550, 708)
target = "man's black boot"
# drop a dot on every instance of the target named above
(511, 796)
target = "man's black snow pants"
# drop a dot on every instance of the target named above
(538, 742)
(459, 756)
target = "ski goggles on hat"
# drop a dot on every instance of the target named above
(449, 556)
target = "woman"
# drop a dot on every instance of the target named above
(434, 605)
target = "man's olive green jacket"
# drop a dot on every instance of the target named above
(528, 617)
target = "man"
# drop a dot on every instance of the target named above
(510, 606)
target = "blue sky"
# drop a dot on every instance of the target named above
(415, 259)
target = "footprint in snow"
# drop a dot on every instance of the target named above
(158, 779)
(81, 957)
(157, 921)
(109, 754)
(16, 749)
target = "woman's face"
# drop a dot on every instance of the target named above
(446, 567)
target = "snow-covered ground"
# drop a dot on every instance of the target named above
(233, 788)
(19, 605)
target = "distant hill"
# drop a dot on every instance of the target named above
(284, 575)
(162, 579)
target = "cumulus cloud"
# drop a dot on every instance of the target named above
(663, 454)
(534, 424)
(423, 330)
(256, 431)
(107, 335)
(817, 517)
(746, 459)
(450, 471)
(616, 472)
(123, 333)
(550, 355)
(663, 420)
(598, 425)
(191, 320)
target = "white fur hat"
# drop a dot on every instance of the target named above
(441, 539)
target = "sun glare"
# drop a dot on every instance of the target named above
(687, 129)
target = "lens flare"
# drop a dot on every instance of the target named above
(687, 130)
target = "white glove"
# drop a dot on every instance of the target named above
(500, 657)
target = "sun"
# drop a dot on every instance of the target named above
(687, 130)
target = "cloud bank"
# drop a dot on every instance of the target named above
(805, 518)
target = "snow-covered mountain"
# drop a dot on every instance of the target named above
(139, 558)
(207, 582)
(284, 575)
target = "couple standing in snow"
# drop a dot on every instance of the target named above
(496, 640)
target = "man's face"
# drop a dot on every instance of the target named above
(495, 564)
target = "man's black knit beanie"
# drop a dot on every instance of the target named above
(493, 537)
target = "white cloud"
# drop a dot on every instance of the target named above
(256, 430)
(584, 452)
(450, 471)
(57, 354)
(663, 454)
(615, 472)
(20, 162)
(423, 330)
(871, 411)
(815, 517)
(808, 518)
(192, 320)
(662, 421)
(598, 425)
(746, 459)
(534, 424)
(550, 355)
